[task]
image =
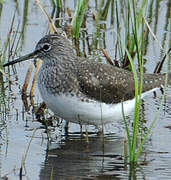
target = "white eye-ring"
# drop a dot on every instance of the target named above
(46, 47)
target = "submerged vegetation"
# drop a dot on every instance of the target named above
(130, 22)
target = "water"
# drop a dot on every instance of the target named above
(70, 157)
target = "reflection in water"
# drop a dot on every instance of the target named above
(73, 158)
(77, 159)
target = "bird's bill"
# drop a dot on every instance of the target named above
(23, 58)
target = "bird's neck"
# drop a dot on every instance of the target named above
(61, 61)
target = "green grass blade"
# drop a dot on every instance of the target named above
(136, 113)
(153, 122)
(127, 130)
(78, 18)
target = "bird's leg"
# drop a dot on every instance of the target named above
(81, 129)
(66, 127)
(87, 141)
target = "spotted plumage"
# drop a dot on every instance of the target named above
(83, 91)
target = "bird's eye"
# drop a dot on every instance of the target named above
(46, 47)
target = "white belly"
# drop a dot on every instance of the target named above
(72, 109)
(94, 113)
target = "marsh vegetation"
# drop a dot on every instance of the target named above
(134, 35)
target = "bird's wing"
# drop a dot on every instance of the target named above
(110, 84)
(105, 83)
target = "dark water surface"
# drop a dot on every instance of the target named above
(70, 157)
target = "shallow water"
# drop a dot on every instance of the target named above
(70, 157)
